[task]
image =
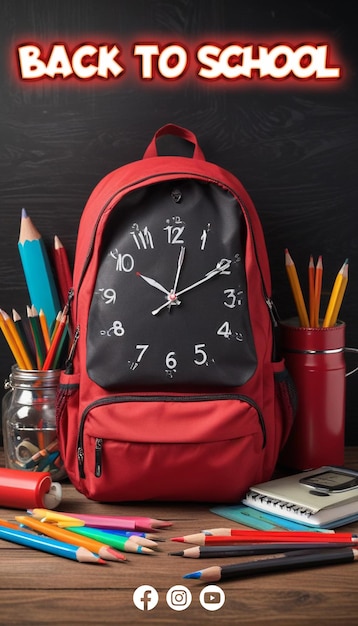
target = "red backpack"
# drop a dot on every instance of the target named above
(173, 389)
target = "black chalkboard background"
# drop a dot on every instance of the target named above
(293, 145)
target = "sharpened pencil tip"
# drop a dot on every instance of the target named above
(24, 213)
(144, 550)
(193, 575)
(178, 539)
(181, 553)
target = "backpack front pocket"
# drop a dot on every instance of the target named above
(202, 448)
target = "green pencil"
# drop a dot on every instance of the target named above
(115, 541)
(37, 335)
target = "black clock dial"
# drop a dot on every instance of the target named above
(171, 291)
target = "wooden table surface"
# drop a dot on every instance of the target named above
(38, 588)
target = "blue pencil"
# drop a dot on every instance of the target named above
(37, 269)
(46, 544)
(132, 533)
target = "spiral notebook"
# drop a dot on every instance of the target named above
(326, 497)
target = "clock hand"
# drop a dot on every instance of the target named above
(173, 299)
(180, 263)
(153, 283)
(221, 266)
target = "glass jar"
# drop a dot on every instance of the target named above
(29, 422)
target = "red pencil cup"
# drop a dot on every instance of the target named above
(315, 360)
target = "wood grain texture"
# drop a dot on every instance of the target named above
(295, 148)
(37, 588)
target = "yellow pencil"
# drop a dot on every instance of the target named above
(336, 298)
(296, 290)
(13, 339)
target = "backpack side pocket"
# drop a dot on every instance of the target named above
(67, 405)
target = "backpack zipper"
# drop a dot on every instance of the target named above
(120, 399)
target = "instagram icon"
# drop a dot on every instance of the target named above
(178, 598)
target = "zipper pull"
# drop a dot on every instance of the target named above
(272, 311)
(98, 457)
(69, 360)
(80, 459)
(70, 296)
(276, 348)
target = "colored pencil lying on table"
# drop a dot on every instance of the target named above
(253, 536)
(6, 524)
(205, 552)
(102, 521)
(106, 552)
(275, 564)
(52, 546)
(115, 541)
(60, 519)
(133, 533)
(134, 537)
(222, 532)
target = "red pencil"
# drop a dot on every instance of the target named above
(311, 291)
(63, 271)
(52, 353)
(252, 536)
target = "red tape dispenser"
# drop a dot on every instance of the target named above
(24, 490)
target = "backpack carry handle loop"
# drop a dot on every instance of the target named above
(178, 131)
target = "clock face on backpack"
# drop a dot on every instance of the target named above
(171, 291)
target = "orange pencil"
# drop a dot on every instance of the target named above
(50, 530)
(52, 353)
(296, 290)
(44, 328)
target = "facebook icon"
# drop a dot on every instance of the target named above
(145, 598)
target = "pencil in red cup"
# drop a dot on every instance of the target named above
(317, 290)
(311, 291)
